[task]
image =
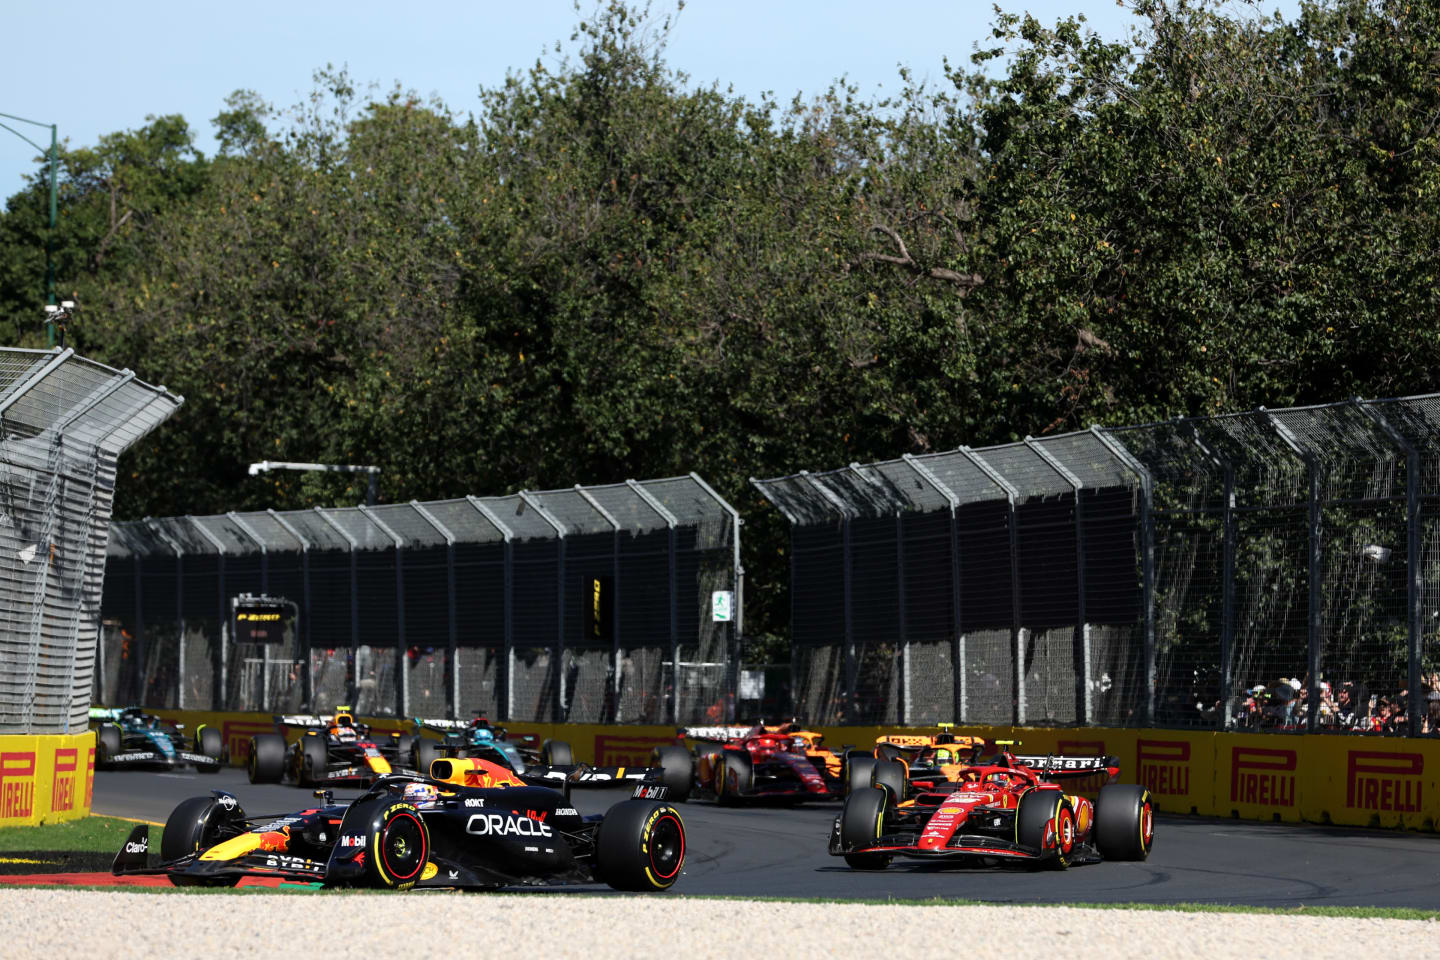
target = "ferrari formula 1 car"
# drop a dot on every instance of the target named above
(128, 738)
(766, 761)
(332, 749)
(1004, 807)
(408, 831)
(480, 738)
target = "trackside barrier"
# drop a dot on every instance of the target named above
(1314, 778)
(46, 778)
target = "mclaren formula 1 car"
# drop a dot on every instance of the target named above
(1005, 807)
(767, 761)
(929, 759)
(457, 829)
(129, 738)
(331, 749)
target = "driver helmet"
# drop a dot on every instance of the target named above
(481, 734)
(998, 779)
(944, 755)
(423, 795)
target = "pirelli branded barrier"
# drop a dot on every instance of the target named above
(46, 778)
(1351, 780)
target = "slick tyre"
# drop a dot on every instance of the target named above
(402, 742)
(893, 775)
(734, 776)
(314, 757)
(1045, 822)
(556, 753)
(397, 844)
(209, 742)
(266, 763)
(1124, 822)
(198, 824)
(859, 773)
(862, 822)
(641, 846)
(678, 765)
(107, 744)
(424, 753)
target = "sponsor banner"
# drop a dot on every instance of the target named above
(46, 778)
(1371, 782)
(1258, 777)
(1177, 767)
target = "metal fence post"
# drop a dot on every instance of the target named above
(737, 621)
(1227, 585)
(1017, 641)
(673, 581)
(559, 702)
(401, 647)
(1081, 640)
(506, 698)
(302, 632)
(1147, 559)
(1415, 575)
(847, 573)
(1314, 560)
(225, 619)
(609, 714)
(350, 667)
(957, 636)
(179, 607)
(452, 634)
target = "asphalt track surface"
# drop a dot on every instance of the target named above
(781, 851)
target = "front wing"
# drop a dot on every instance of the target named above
(961, 846)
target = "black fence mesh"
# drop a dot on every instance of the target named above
(593, 604)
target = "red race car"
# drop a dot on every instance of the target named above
(1002, 807)
(765, 762)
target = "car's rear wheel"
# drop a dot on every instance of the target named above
(397, 845)
(862, 822)
(314, 758)
(1045, 822)
(734, 776)
(678, 766)
(266, 763)
(107, 744)
(401, 742)
(641, 846)
(556, 753)
(1124, 822)
(198, 824)
(893, 775)
(859, 772)
(424, 753)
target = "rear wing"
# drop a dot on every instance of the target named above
(303, 719)
(1051, 767)
(720, 734)
(106, 713)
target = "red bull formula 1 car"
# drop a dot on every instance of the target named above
(473, 825)
(1004, 807)
(332, 749)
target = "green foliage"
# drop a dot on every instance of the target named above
(606, 272)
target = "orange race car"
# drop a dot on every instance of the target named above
(777, 761)
(926, 760)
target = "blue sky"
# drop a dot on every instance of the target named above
(96, 66)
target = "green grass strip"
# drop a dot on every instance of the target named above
(93, 834)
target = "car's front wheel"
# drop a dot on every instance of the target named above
(862, 822)
(641, 846)
(195, 825)
(397, 845)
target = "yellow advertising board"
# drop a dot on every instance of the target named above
(46, 778)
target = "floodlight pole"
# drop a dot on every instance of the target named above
(54, 155)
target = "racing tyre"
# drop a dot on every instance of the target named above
(859, 773)
(314, 757)
(397, 844)
(209, 742)
(678, 765)
(267, 758)
(1124, 822)
(641, 846)
(107, 744)
(556, 753)
(887, 751)
(1045, 821)
(402, 743)
(862, 822)
(198, 824)
(424, 753)
(734, 776)
(892, 775)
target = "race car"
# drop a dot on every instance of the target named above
(473, 826)
(929, 758)
(765, 761)
(1005, 807)
(480, 738)
(129, 738)
(333, 748)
